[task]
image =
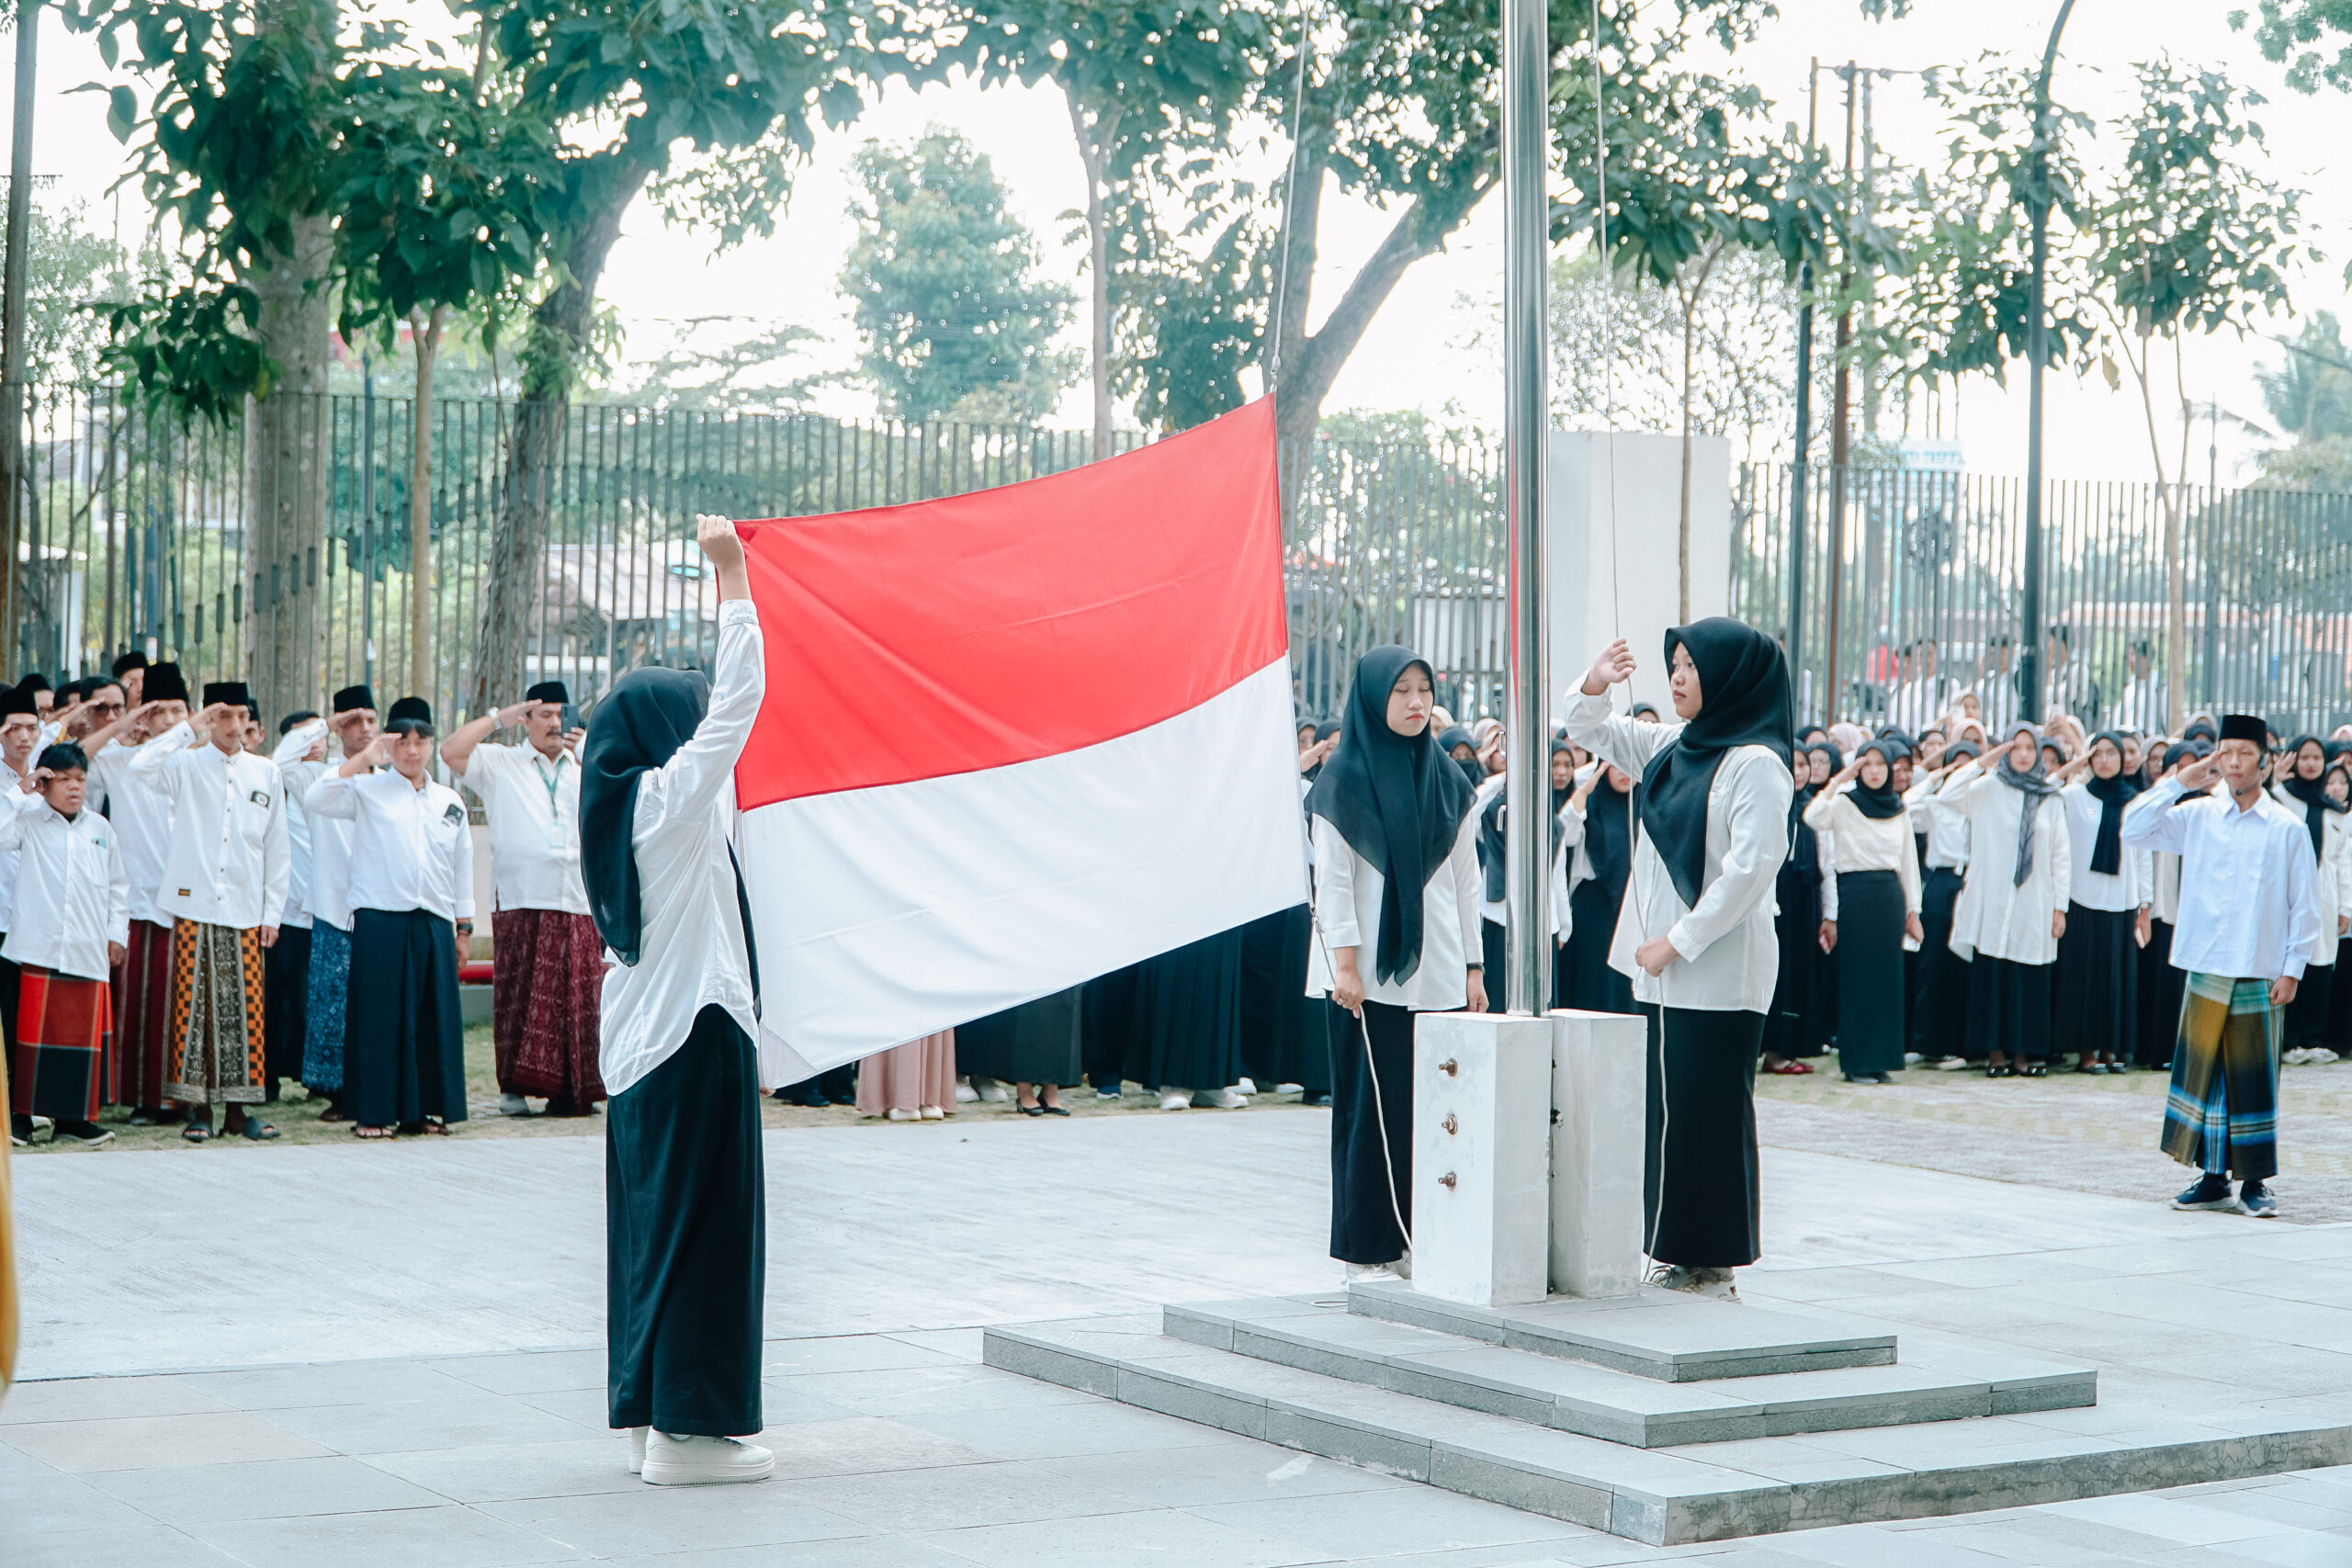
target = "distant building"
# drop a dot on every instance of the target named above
(1936, 452)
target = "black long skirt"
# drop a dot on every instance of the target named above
(1284, 1035)
(1700, 1191)
(405, 1049)
(1036, 1043)
(285, 1006)
(1592, 986)
(2098, 984)
(1187, 1031)
(1109, 1021)
(685, 1239)
(2160, 986)
(1494, 952)
(2008, 1009)
(1870, 972)
(1940, 999)
(2307, 1014)
(1364, 1207)
(1798, 1022)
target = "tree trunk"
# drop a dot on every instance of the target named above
(424, 335)
(557, 339)
(287, 460)
(1093, 144)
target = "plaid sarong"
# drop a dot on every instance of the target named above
(2221, 1113)
(216, 1014)
(63, 1027)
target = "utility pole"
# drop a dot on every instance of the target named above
(2037, 350)
(1841, 412)
(1799, 470)
(13, 484)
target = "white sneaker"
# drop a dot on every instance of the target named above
(1951, 1063)
(1912, 1058)
(514, 1105)
(966, 1094)
(993, 1093)
(673, 1461)
(1290, 1088)
(636, 1450)
(1220, 1099)
(1372, 1273)
(1176, 1100)
(931, 1113)
(1403, 1265)
(2321, 1057)
(2296, 1057)
(898, 1113)
(1245, 1086)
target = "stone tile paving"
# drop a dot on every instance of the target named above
(894, 1451)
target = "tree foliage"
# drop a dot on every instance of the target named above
(2291, 32)
(944, 285)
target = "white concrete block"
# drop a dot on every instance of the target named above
(1482, 1097)
(1598, 1118)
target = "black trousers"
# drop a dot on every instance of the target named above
(286, 1005)
(1870, 972)
(404, 1052)
(1701, 1197)
(685, 1239)
(1364, 1217)
(2008, 1009)
(2161, 985)
(2307, 1014)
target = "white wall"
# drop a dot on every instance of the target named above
(1615, 507)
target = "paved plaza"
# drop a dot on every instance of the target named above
(403, 1365)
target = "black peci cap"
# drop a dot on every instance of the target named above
(548, 691)
(165, 685)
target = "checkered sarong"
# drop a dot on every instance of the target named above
(2221, 1113)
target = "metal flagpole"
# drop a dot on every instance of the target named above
(1527, 765)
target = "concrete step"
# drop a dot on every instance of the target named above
(1661, 1497)
(1664, 1335)
(1312, 1333)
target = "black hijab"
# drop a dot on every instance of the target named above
(1804, 858)
(1744, 701)
(1882, 803)
(2313, 793)
(1398, 800)
(2112, 794)
(1609, 832)
(640, 724)
(1559, 796)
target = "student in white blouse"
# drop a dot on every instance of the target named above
(1862, 818)
(1939, 996)
(686, 1235)
(2012, 906)
(2108, 889)
(411, 891)
(2302, 789)
(1696, 935)
(1397, 890)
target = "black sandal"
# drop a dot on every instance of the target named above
(1999, 1070)
(258, 1130)
(196, 1132)
(2036, 1070)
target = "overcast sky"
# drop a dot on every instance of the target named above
(1415, 355)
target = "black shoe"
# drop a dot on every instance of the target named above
(2254, 1198)
(2210, 1191)
(89, 1134)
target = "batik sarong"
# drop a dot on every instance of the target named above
(142, 1011)
(63, 1027)
(324, 1029)
(2222, 1114)
(546, 981)
(217, 1020)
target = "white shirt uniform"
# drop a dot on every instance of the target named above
(1995, 915)
(228, 864)
(1856, 842)
(2249, 909)
(71, 898)
(1919, 702)
(1730, 954)
(2331, 878)
(1997, 699)
(411, 848)
(534, 810)
(142, 824)
(1347, 890)
(2140, 705)
(2131, 884)
(691, 952)
(1947, 833)
(298, 777)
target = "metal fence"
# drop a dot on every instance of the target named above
(1913, 587)
(133, 536)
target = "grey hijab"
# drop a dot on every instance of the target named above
(2035, 786)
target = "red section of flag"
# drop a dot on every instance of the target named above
(976, 631)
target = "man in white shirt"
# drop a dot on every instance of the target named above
(328, 902)
(301, 757)
(412, 915)
(547, 962)
(71, 919)
(224, 888)
(2068, 680)
(2141, 705)
(2248, 919)
(1925, 696)
(142, 822)
(1996, 689)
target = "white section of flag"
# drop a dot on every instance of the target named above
(887, 914)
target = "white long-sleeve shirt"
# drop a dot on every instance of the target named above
(1728, 953)
(298, 777)
(532, 805)
(411, 848)
(2129, 885)
(691, 951)
(1947, 832)
(1995, 915)
(2331, 882)
(143, 823)
(72, 898)
(1347, 889)
(228, 864)
(2248, 907)
(1856, 842)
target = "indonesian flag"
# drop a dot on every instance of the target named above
(1016, 738)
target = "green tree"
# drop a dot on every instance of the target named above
(2309, 397)
(2288, 30)
(71, 272)
(944, 282)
